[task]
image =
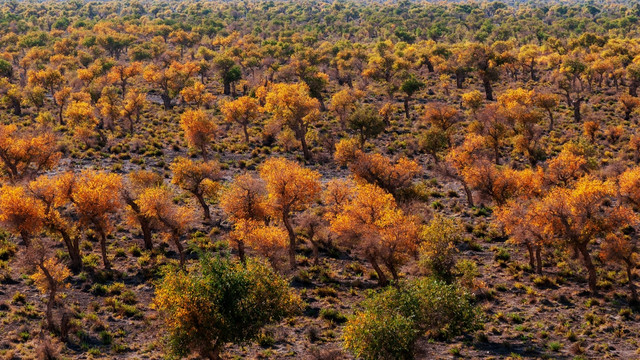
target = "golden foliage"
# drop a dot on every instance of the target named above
(19, 212)
(199, 129)
(57, 273)
(23, 154)
(290, 187)
(243, 111)
(244, 199)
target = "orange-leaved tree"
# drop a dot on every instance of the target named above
(49, 277)
(244, 200)
(290, 188)
(52, 192)
(94, 196)
(171, 80)
(200, 178)
(377, 169)
(622, 249)
(176, 220)
(133, 186)
(370, 221)
(197, 95)
(19, 213)
(199, 130)
(24, 155)
(292, 105)
(578, 215)
(243, 111)
(134, 103)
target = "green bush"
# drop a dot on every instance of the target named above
(221, 301)
(392, 320)
(438, 249)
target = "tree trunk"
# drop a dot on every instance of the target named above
(591, 269)
(292, 239)
(531, 255)
(246, 133)
(203, 150)
(323, 107)
(227, 88)
(130, 125)
(60, 120)
(488, 90)
(50, 303)
(467, 191)
(103, 249)
(205, 207)
(539, 259)
(241, 254)
(551, 120)
(305, 148)
(17, 109)
(74, 250)
(382, 278)
(166, 100)
(176, 240)
(146, 232)
(459, 80)
(577, 117)
(52, 295)
(429, 65)
(632, 285)
(26, 238)
(533, 71)
(64, 327)
(392, 269)
(406, 107)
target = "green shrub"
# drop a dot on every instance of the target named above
(221, 301)
(438, 249)
(99, 290)
(392, 320)
(90, 261)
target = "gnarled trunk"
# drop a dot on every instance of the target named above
(292, 239)
(468, 193)
(74, 250)
(488, 90)
(531, 254)
(588, 263)
(382, 277)
(103, 248)
(632, 285)
(204, 205)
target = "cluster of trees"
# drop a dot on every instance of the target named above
(518, 106)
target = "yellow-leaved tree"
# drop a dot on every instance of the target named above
(157, 203)
(291, 188)
(244, 201)
(370, 221)
(199, 130)
(94, 196)
(292, 105)
(243, 111)
(200, 178)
